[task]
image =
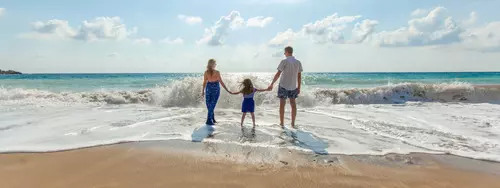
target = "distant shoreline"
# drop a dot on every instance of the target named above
(9, 72)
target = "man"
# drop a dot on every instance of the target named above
(290, 70)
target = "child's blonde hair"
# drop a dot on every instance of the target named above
(246, 86)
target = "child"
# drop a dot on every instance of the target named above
(248, 104)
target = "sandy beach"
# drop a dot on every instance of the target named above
(133, 165)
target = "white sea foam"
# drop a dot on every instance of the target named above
(187, 93)
(454, 118)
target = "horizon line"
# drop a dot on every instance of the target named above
(343, 72)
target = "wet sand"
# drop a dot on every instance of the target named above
(169, 164)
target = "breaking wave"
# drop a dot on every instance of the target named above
(187, 93)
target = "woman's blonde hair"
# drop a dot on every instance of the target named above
(210, 66)
(246, 86)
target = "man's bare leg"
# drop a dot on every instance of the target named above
(282, 112)
(293, 105)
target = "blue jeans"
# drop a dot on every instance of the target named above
(212, 93)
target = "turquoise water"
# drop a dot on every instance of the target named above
(89, 82)
(86, 82)
(354, 113)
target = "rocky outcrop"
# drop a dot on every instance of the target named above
(9, 72)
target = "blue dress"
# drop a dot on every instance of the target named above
(248, 104)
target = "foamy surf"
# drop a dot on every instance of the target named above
(456, 118)
(187, 93)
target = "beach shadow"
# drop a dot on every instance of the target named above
(203, 132)
(307, 140)
(247, 135)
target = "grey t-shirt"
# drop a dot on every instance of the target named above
(290, 68)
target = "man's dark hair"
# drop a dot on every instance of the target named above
(289, 49)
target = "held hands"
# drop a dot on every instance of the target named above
(270, 88)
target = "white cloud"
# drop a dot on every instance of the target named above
(434, 29)
(214, 36)
(322, 27)
(101, 28)
(420, 12)
(437, 29)
(284, 38)
(144, 41)
(431, 22)
(59, 28)
(472, 19)
(362, 30)
(2, 11)
(329, 29)
(172, 41)
(237, 23)
(106, 28)
(484, 39)
(259, 21)
(326, 30)
(475, 37)
(191, 20)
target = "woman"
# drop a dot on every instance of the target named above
(211, 80)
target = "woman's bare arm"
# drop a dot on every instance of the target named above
(204, 82)
(222, 82)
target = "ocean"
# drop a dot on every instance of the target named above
(351, 113)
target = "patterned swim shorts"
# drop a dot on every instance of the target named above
(284, 94)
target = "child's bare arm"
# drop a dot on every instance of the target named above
(235, 93)
(261, 90)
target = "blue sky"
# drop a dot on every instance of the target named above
(180, 35)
